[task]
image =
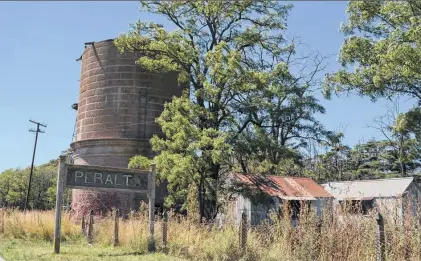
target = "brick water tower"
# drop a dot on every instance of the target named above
(116, 111)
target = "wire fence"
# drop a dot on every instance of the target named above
(333, 236)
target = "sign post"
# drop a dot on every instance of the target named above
(59, 201)
(108, 179)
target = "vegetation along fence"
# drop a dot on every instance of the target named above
(330, 237)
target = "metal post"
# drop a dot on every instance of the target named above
(380, 244)
(151, 195)
(91, 227)
(164, 230)
(59, 200)
(116, 215)
(243, 231)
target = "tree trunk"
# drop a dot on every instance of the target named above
(201, 199)
(243, 165)
(401, 155)
(403, 168)
(213, 203)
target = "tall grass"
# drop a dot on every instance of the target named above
(327, 238)
(36, 225)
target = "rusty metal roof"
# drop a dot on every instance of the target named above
(289, 188)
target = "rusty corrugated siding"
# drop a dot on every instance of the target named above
(285, 187)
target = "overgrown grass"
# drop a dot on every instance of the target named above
(331, 238)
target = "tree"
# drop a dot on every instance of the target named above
(188, 154)
(409, 123)
(402, 147)
(219, 49)
(282, 116)
(369, 160)
(384, 45)
(13, 186)
(242, 92)
(333, 163)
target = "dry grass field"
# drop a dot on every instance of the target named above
(28, 236)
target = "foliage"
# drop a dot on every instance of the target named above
(139, 162)
(370, 160)
(384, 45)
(14, 185)
(238, 66)
(192, 204)
(188, 154)
(282, 117)
(409, 122)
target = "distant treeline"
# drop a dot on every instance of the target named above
(370, 160)
(14, 185)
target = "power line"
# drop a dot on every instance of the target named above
(38, 130)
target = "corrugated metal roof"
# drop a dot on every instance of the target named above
(360, 189)
(289, 188)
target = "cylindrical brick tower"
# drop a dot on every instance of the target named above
(117, 106)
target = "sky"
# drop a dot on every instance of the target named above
(39, 75)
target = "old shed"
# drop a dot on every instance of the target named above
(389, 196)
(257, 195)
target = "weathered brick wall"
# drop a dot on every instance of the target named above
(117, 99)
(117, 107)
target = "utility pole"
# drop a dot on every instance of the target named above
(38, 130)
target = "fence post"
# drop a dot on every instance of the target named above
(164, 230)
(83, 226)
(116, 215)
(151, 195)
(3, 220)
(243, 231)
(90, 227)
(380, 244)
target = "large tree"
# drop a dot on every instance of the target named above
(236, 62)
(282, 116)
(384, 45)
(215, 49)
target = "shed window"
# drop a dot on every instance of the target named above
(296, 207)
(357, 206)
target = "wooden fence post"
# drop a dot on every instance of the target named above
(3, 220)
(380, 243)
(243, 231)
(83, 226)
(151, 195)
(116, 216)
(164, 230)
(91, 227)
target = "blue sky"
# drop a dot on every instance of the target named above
(40, 42)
